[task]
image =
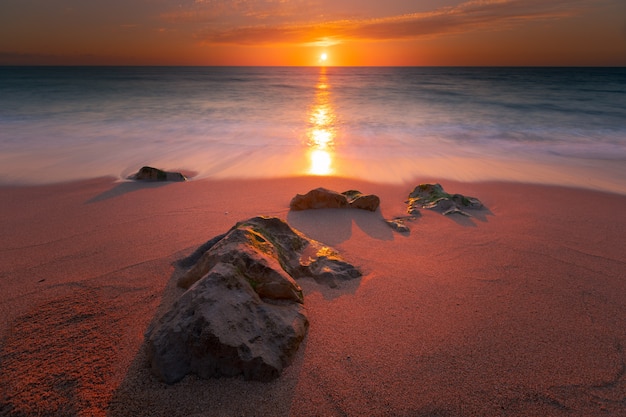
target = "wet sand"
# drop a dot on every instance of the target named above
(517, 311)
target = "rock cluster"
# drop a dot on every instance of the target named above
(433, 197)
(242, 313)
(154, 174)
(324, 198)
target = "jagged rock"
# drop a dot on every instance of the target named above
(153, 174)
(257, 260)
(433, 196)
(278, 245)
(242, 313)
(324, 265)
(222, 327)
(324, 198)
(399, 223)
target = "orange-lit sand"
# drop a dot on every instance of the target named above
(519, 311)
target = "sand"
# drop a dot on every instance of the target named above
(518, 311)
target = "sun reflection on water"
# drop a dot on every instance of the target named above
(322, 129)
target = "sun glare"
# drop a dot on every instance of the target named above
(324, 57)
(320, 162)
(322, 129)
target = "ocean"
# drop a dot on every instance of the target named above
(563, 126)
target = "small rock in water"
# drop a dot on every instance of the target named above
(147, 173)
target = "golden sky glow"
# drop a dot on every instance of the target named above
(297, 32)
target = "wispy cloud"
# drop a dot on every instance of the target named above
(240, 10)
(468, 16)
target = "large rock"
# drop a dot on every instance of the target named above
(222, 327)
(255, 258)
(278, 245)
(242, 313)
(433, 197)
(324, 198)
(154, 174)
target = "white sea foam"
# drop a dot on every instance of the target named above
(557, 126)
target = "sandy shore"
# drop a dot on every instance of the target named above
(519, 311)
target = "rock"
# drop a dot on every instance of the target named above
(433, 196)
(398, 226)
(153, 174)
(323, 198)
(242, 313)
(254, 258)
(318, 198)
(222, 327)
(399, 223)
(278, 245)
(324, 265)
(368, 202)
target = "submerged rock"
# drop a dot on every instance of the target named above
(242, 313)
(433, 197)
(147, 173)
(324, 198)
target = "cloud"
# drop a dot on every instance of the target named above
(240, 10)
(468, 16)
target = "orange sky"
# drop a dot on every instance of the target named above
(296, 32)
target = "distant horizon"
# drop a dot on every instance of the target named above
(304, 66)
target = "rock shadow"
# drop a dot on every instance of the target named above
(125, 187)
(479, 215)
(334, 226)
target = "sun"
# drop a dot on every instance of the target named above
(324, 57)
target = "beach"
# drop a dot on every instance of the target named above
(519, 310)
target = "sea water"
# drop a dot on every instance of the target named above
(562, 126)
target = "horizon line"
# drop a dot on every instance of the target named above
(303, 66)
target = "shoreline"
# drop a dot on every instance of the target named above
(469, 166)
(520, 308)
